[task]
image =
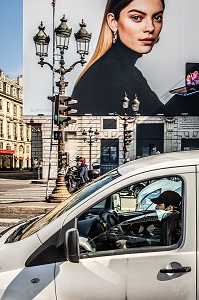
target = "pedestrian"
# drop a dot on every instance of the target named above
(129, 30)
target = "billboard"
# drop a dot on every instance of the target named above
(161, 70)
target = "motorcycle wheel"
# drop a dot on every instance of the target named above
(71, 186)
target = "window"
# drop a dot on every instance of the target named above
(129, 220)
(11, 90)
(8, 130)
(15, 130)
(28, 149)
(8, 147)
(62, 207)
(4, 87)
(149, 139)
(1, 128)
(21, 151)
(21, 132)
(14, 91)
(27, 133)
(14, 109)
(109, 154)
(8, 107)
(109, 124)
(19, 94)
(21, 111)
(189, 144)
(7, 89)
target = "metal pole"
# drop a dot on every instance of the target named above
(90, 155)
(53, 84)
(93, 137)
(38, 155)
(125, 146)
(60, 191)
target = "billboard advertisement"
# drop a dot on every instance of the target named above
(143, 49)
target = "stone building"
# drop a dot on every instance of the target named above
(15, 135)
(150, 135)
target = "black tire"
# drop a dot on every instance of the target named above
(71, 185)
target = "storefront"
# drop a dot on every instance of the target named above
(6, 159)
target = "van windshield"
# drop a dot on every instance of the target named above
(33, 226)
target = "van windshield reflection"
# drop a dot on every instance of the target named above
(29, 228)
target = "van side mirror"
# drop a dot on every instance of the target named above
(72, 245)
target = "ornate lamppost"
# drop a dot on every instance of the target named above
(90, 137)
(37, 130)
(135, 103)
(62, 103)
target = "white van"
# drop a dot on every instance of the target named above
(95, 246)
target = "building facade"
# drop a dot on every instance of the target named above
(150, 135)
(15, 135)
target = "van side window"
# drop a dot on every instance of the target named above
(143, 215)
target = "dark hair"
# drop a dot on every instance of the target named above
(116, 6)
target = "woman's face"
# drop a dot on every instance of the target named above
(139, 24)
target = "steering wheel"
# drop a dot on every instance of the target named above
(110, 219)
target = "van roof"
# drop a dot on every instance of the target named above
(161, 161)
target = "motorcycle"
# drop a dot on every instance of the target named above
(71, 179)
(77, 176)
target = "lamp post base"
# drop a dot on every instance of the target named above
(60, 192)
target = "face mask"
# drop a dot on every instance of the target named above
(161, 214)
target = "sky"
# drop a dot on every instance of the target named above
(11, 33)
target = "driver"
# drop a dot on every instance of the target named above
(169, 202)
(170, 229)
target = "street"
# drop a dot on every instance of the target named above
(22, 197)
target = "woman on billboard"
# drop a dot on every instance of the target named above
(130, 29)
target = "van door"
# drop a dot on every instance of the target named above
(143, 273)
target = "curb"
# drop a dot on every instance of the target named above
(38, 181)
(9, 222)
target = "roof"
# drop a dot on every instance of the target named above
(158, 161)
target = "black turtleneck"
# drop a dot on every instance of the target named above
(102, 87)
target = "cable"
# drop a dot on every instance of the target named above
(52, 115)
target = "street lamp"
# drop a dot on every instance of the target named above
(90, 137)
(61, 35)
(37, 130)
(135, 103)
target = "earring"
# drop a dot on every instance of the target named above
(157, 40)
(114, 37)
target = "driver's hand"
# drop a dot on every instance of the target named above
(121, 244)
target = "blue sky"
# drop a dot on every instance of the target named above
(11, 33)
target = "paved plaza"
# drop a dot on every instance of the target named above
(21, 196)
